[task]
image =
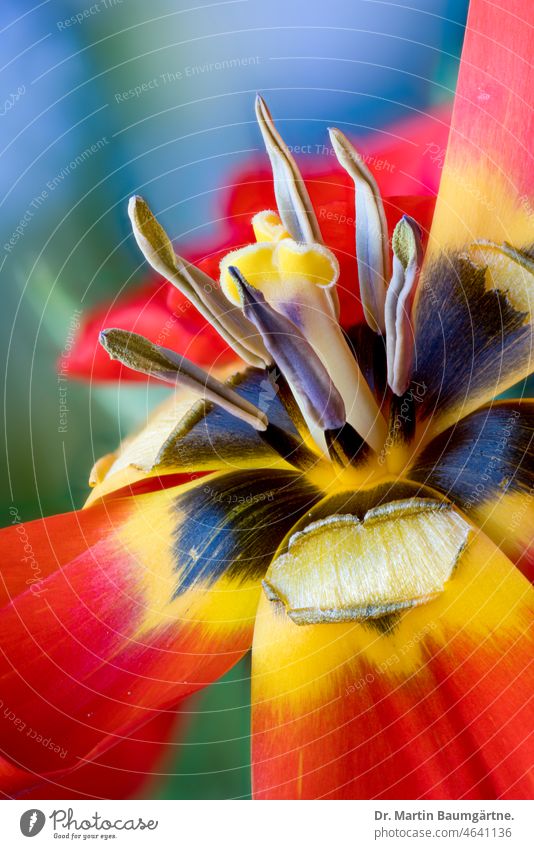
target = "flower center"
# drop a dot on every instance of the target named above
(277, 303)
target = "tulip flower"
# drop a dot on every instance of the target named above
(352, 503)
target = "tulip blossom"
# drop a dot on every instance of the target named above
(339, 491)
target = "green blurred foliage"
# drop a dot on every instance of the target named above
(212, 758)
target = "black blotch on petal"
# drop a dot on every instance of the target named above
(482, 456)
(208, 431)
(369, 349)
(467, 338)
(233, 524)
(383, 624)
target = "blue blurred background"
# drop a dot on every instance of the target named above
(68, 67)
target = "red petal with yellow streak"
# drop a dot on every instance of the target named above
(437, 707)
(111, 614)
(487, 184)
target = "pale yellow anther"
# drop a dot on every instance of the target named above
(268, 227)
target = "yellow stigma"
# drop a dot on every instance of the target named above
(268, 227)
(279, 269)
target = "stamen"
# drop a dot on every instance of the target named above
(292, 198)
(320, 402)
(292, 408)
(400, 339)
(293, 450)
(346, 447)
(372, 252)
(141, 355)
(198, 287)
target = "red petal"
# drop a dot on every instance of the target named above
(145, 311)
(488, 174)
(116, 612)
(128, 769)
(89, 652)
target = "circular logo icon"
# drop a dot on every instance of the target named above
(32, 822)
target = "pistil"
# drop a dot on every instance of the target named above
(319, 400)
